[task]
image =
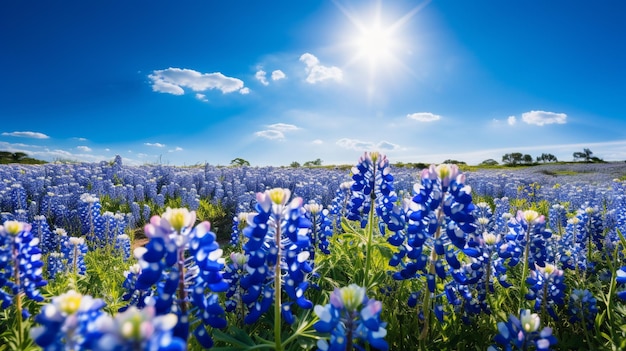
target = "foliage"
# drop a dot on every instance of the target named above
(18, 157)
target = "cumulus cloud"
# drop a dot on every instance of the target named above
(511, 120)
(270, 134)
(543, 117)
(261, 76)
(244, 91)
(316, 72)
(354, 144)
(34, 135)
(201, 97)
(173, 80)
(176, 149)
(154, 144)
(278, 75)
(84, 148)
(424, 116)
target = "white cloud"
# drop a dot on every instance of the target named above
(34, 135)
(80, 139)
(244, 91)
(173, 80)
(317, 72)
(424, 116)
(107, 149)
(278, 75)
(178, 148)
(271, 134)
(84, 148)
(359, 145)
(318, 142)
(276, 131)
(201, 97)
(542, 117)
(154, 144)
(261, 76)
(283, 127)
(511, 120)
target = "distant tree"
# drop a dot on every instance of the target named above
(512, 159)
(317, 162)
(238, 162)
(585, 155)
(546, 158)
(295, 164)
(489, 162)
(527, 159)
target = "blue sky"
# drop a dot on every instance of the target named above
(274, 82)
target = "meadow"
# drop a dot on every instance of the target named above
(105, 256)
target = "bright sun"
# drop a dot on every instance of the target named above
(377, 43)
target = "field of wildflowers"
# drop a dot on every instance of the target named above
(113, 257)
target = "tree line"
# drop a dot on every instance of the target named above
(517, 158)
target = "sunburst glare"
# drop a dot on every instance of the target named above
(377, 43)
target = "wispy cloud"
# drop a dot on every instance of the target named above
(80, 139)
(283, 127)
(276, 131)
(176, 149)
(278, 75)
(33, 135)
(511, 120)
(173, 80)
(201, 97)
(316, 72)
(317, 142)
(540, 118)
(423, 116)
(359, 145)
(155, 144)
(270, 134)
(84, 148)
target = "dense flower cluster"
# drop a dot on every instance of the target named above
(180, 267)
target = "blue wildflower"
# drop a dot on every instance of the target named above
(523, 334)
(351, 318)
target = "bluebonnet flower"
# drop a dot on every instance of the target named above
(138, 329)
(92, 223)
(439, 218)
(68, 322)
(74, 252)
(583, 307)
(558, 218)
(41, 230)
(321, 228)
(528, 230)
(56, 264)
(239, 222)
(181, 282)
(523, 334)
(233, 272)
(277, 239)
(20, 265)
(18, 197)
(123, 245)
(351, 319)
(134, 297)
(547, 288)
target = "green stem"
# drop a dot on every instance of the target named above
(522, 297)
(277, 293)
(368, 251)
(18, 296)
